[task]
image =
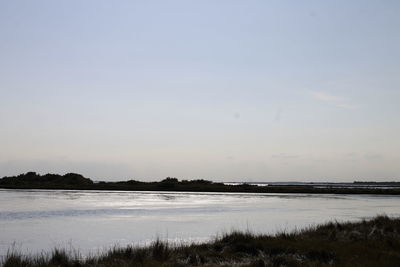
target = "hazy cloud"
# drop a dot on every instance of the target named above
(284, 156)
(337, 101)
(373, 156)
(278, 115)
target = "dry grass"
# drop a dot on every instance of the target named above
(375, 242)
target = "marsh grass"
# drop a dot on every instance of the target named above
(374, 242)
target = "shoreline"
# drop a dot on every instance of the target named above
(258, 190)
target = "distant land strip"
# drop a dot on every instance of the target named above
(73, 181)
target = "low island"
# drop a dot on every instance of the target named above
(73, 181)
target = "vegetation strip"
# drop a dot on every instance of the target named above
(72, 181)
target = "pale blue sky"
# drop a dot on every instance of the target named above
(222, 90)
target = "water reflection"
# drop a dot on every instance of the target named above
(41, 219)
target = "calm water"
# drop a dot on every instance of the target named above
(91, 221)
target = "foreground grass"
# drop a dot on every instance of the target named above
(375, 242)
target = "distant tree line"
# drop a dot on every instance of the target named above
(74, 181)
(32, 178)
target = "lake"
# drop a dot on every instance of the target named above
(91, 221)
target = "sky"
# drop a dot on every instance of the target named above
(219, 90)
